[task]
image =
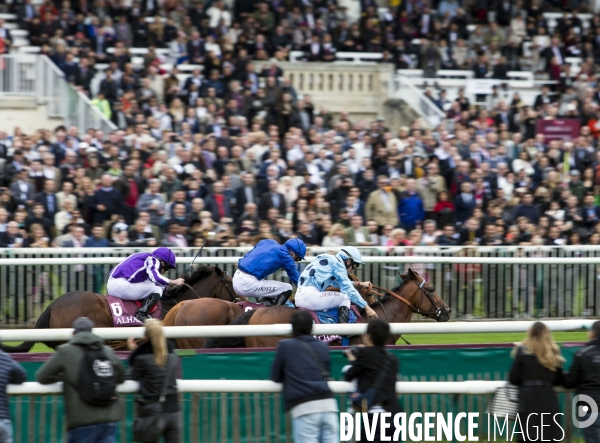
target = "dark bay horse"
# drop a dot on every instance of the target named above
(204, 281)
(419, 297)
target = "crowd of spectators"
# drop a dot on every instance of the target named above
(234, 154)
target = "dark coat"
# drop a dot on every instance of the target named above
(211, 205)
(266, 203)
(537, 399)
(301, 375)
(366, 369)
(42, 198)
(144, 369)
(112, 200)
(10, 373)
(6, 240)
(463, 209)
(584, 374)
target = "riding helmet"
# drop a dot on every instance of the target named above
(166, 255)
(350, 252)
(297, 246)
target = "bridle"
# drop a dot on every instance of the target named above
(437, 312)
(229, 290)
(223, 280)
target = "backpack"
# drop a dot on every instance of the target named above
(97, 385)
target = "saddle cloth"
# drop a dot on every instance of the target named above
(319, 317)
(123, 311)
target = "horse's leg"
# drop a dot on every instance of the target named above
(269, 316)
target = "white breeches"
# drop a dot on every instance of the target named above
(124, 289)
(249, 286)
(309, 297)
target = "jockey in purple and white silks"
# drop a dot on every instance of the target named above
(139, 277)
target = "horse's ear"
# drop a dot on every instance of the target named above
(404, 277)
(218, 271)
(412, 274)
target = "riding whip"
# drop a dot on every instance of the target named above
(192, 263)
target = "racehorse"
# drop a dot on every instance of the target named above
(414, 295)
(204, 281)
(214, 312)
(201, 312)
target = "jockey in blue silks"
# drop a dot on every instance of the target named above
(264, 259)
(332, 270)
(139, 276)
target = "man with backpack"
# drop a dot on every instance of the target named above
(91, 372)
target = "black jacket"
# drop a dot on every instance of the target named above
(10, 373)
(112, 200)
(297, 369)
(584, 375)
(367, 367)
(144, 369)
(535, 398)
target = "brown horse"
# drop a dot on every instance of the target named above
(204, 281)
(202, 312)
(214, 312)
(414, 295)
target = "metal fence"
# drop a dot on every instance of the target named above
(473, 289)
(37, 76)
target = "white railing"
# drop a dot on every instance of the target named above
(37, 76)
(403, 88)
(498, 282)
(471, 387)
(64, 334)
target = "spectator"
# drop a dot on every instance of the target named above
(153, 203)
(410, 209)
(381, 204)
(302, 364)
(85, 422)
(357, 234)
(537, 367)
(150, 363)
(107, 201)
(583, 376)
(10, 373)
(374, 368)
(12, 238)
(48, 199)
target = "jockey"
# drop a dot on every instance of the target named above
(265, 258)
(332, 270)
(139, 276)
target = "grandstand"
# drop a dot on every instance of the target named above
(456, 138)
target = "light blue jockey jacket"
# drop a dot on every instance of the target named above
(268, 257)
(328, 270)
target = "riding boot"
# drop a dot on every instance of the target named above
(147, 304)
(343, 312)
(283, 298)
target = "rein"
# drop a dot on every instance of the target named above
(437, 311)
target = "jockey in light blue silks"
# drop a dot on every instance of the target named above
(332, 270)
(140, 276)
(265, 258)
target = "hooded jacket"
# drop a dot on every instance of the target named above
(64, 366)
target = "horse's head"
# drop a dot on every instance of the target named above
(205, 282)
(422, 297)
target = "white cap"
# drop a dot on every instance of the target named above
(83, 145)
(91, 150)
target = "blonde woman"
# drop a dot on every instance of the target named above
(536, 369)
(334, 237)
(149, 363)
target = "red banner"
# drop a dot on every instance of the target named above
(565, 129)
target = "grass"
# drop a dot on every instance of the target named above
(38, 347)
(491, 337)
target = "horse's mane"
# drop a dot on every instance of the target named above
(199, 272)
